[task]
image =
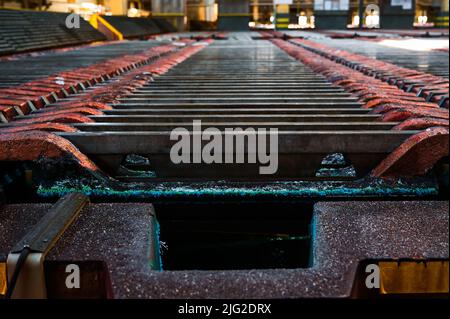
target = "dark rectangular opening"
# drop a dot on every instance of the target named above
(234, 236)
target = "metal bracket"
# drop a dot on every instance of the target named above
(25, 263)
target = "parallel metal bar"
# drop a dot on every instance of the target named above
(150, 104)
(206, 111)
(238, 84)
(294, 142)
(237, 118)
(283, 126)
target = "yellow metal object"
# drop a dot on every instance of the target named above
(414, 277)
(283, 8)
(96, 19)
(282, 17)
(93, 21)
(168, 14)
(441, 21)
(235, 14)
(2, 279)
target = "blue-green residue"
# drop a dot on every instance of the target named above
(275, 189)
(156, 264)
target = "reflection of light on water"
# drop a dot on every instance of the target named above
(416, 44)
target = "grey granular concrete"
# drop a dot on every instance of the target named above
(345, 234)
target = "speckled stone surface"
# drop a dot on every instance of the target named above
(122, 235)
(16, 221)
(345, 233)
